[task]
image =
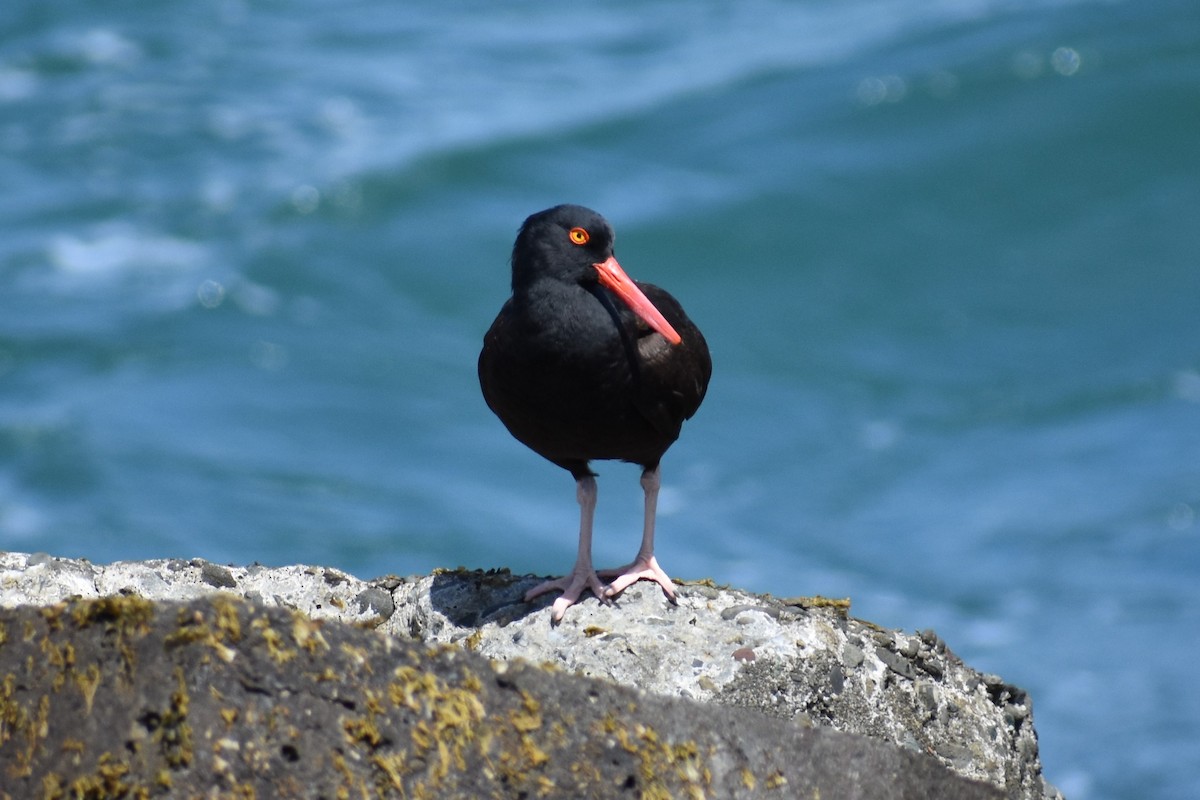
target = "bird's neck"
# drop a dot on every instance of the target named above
(548, 295)
(570, 310)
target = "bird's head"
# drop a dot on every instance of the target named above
(574, 244)
(561, 243)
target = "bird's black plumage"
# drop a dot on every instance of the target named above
(572, 365)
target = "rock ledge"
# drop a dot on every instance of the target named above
(727, 694)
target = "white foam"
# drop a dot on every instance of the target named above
(118, 249)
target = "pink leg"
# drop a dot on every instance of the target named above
(645, 565)
(582, 575)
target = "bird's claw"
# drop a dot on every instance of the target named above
(643, 568)
(572, 587)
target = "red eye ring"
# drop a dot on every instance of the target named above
(579, 236)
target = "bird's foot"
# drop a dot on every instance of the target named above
(643, 568)
(572, 587)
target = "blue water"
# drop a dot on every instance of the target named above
(945, 255)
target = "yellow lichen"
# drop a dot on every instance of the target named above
(53, 617)
(448, 718)
(393, 768)
(529, 718)
(357, 655)
(107, 781)
(52, 787)
(837, 603)
(361, 729)
(306, 633)
(127, 613)
(174, 734)
(274, 641)
(325, 675)
(88, 681)
(658, 758)
(193, 627)
(60, 657)
(229, 624)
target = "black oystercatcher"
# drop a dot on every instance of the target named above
(584, 363)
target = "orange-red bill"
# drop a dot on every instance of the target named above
(614, 278)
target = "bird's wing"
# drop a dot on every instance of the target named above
(672, 379)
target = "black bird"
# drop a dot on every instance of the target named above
(584, 363)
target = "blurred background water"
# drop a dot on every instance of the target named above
(945, 255)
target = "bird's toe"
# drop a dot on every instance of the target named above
(572, 587)
(642, 569)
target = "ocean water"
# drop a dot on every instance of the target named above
(945, 255)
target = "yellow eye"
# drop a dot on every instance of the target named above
(579, 236)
